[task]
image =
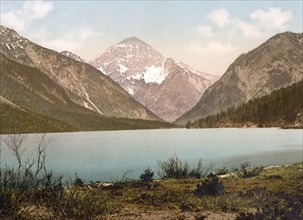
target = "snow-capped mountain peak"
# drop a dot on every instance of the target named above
(131, 60)
(166, 87)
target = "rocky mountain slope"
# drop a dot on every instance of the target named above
(72, 55)
(274, 64)
(166, 87)
(51, 84)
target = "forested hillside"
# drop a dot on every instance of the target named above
(17, 120)
(282, 108)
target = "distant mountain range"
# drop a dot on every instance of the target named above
(132, 86)
(275, 64)
(48, 83)
(166, 87)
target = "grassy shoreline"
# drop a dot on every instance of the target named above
(277, 192)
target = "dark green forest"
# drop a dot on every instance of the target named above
(281, 108)
(14, 120)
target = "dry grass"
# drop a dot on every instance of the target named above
(276, 193)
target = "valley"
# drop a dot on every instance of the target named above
(153, 88)
(151, 110)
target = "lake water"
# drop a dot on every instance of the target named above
(107, 155)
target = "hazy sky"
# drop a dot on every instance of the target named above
(208, 35)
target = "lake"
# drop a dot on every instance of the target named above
(107, 155)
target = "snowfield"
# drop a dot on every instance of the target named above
(154, 74)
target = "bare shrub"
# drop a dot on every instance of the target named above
(247, 171)
(178, 169)
(30, 180)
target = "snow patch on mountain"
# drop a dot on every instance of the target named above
(102, 70)
(136, 76)
(122, 69)
(11, 40)
(130, 91)
(154, 74)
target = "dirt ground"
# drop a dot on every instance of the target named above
(170, 215)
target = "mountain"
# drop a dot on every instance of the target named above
(166, 87)
(49, 83)
(72, 55)
(281, 108)
(275, 64)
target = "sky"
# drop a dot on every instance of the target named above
(207, 35)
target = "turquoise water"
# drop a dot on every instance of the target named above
(107, 155)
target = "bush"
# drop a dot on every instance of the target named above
(78, 182)
(212, 185)
(176, 168)
(147, 176)
(247, 171)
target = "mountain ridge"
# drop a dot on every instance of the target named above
(274, 64)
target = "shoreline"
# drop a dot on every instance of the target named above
(275, 188)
